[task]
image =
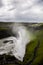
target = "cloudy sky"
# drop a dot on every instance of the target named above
(21, 10)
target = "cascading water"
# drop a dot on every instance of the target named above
(16, 45)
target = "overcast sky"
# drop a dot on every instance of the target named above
(21, 10)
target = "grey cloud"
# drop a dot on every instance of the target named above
(23, 10)
(39, 2)
(1, 3)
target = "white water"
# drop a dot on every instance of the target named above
(18, 46)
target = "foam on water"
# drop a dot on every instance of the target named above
(18, 46)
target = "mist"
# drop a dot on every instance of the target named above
(16, 45)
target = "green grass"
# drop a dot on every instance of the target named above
(30, 49)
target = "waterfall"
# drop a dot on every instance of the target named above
(16, 45)
(22, 41)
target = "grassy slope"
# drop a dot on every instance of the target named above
(31, 48)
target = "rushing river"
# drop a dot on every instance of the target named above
(16, 45)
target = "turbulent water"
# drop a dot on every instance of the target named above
(16, 46)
